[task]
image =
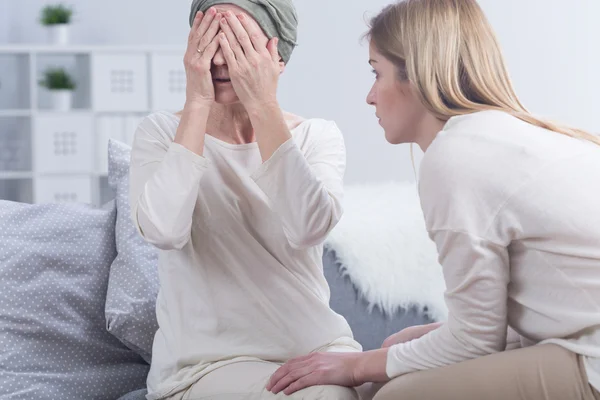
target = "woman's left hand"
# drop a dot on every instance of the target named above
(252, 60)
(339, 369)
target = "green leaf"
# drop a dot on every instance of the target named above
(57, 79)
(56, 14)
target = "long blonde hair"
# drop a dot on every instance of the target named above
(449, 52)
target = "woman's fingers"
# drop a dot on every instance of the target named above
(209, 35)
(211, 49)
(311, 379)
(272, 47)
(286, 368)
(192, 42)
(209, 16)
(196, 24)
(228, 53)
(298, 372)
(259, 40)
(242, 34)
(233, 42)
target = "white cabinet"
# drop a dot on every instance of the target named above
(168, 81)
(120, 82)
(63, 143)
(51, 156)
(63, 190)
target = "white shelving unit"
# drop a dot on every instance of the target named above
(50, 156)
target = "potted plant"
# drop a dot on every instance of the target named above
(57, 19)
(61, 87)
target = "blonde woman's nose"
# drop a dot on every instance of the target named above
(371, 97)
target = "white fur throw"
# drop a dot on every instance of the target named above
(383, 246)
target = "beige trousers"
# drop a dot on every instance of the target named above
(247, 380)
(544, 372)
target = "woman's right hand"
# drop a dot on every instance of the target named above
(410, 333)
(203, 44)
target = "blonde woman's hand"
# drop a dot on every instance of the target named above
(338, 369)
(203, 44)
(408, 334)
(252, 59)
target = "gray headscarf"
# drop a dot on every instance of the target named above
(277, 18)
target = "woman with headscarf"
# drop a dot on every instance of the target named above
(511, 201)
(239, 196)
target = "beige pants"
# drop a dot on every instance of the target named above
(247, 381)
(544, 372)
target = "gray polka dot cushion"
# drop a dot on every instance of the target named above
(54, 267)
(133, 283)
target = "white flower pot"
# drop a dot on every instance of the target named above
(62, 100)
(59, 34)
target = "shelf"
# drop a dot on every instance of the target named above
(87, 111)
(49, 155)
(73, 111)
(83, 49)
(15, 113)
(124, 113)
(66, 174)
(8, 175)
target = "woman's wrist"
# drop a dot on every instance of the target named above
(371, 367)
(266, 110)
(192, 127)
(270, 126)
(198, 107)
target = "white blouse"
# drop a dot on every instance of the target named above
(241, 274)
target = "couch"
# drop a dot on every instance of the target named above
(77, 290)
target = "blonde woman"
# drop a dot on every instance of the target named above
(511, 202)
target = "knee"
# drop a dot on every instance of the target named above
(405, 387)
(326, 392)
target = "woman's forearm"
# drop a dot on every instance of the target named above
(271, 129)
(304, 189)
(164, 182)
(192, 127)
(371, 367)
(430, 327)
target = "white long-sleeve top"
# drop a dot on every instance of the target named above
(241, 273)
(515, 213)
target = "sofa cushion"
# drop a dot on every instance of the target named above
(133, 282)
(54, 266)
(137, 395)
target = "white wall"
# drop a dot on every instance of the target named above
(551, 48)
(553, 54)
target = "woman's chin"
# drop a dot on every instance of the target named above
(226, 96)
(393, 138)
(227, 100)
